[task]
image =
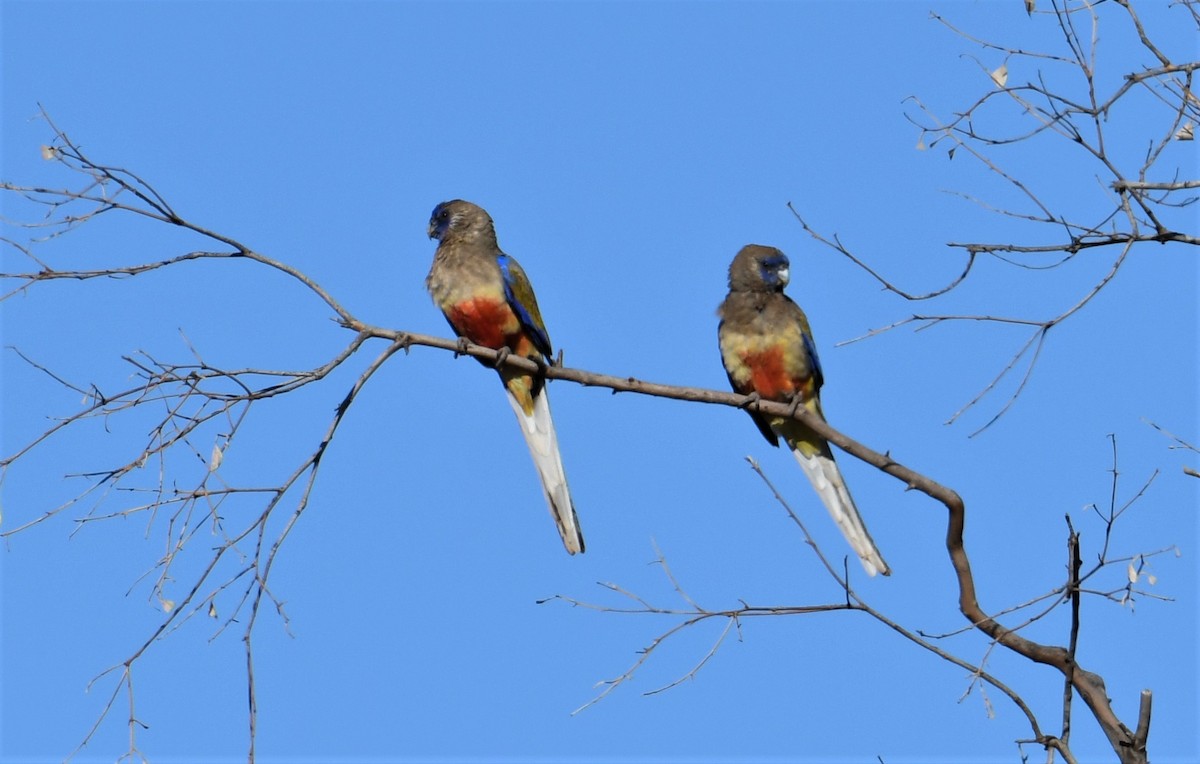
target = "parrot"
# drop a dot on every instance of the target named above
(767, 349)
(488, 300)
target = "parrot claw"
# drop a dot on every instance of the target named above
(463, 344)
(502, 354)
(794, 405)
(752, 399)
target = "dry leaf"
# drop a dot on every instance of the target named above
(1000, 75)
(212, 610)
(49, 152)
(214, 461)
(1185, 133)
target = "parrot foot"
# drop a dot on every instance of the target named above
(463, 344)
(794, 405)
(502, 355)
(752, 400)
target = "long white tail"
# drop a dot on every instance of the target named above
(826, 478)
(538, 429)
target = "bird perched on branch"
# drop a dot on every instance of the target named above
(768, 349)
(486, 297)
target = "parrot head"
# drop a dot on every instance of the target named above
(458, 218)
(759, 269)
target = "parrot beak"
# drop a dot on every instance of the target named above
(432, 230)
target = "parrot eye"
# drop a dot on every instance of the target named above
(775, 270)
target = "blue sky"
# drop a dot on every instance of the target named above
(626, 151)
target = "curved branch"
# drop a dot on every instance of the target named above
(837, 245)
(1089, 685)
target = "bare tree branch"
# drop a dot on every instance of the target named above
(1066, 102)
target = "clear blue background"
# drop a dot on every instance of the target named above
(626, 151)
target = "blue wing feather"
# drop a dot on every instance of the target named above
(814, 362)
(519, 294)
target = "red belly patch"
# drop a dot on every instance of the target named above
(769, 376)
(484, 321)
